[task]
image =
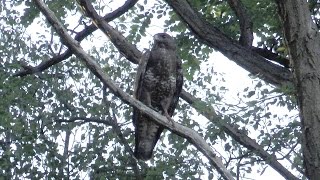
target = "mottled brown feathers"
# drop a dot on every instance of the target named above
(158, 85)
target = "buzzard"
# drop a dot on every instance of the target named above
(158, 85)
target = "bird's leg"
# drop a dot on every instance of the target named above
(148, 102)
(165, 106)
(148, 99)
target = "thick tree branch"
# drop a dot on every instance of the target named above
(79, 37)
(246, 32)
(243, 56)
(183, 131)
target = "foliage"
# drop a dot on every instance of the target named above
(47, 127)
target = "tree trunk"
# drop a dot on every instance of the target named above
(303, 41)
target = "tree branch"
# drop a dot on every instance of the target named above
(246, 32)
(85, 119)
(241, 55)
(183, 131)
(79, 37)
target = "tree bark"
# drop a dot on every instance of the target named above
(303, 40)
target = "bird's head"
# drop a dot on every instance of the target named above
(164, 40)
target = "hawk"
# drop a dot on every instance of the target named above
(158, 85)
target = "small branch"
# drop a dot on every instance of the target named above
(108, 122)
(183, 131)
(79, 37)
(246, 32)
(86, 120)
(117, 130)
(65, 156)
(133, 161)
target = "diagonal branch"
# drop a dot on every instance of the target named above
(183, 131)
(245, 22)
(79, 37)
(243, 56)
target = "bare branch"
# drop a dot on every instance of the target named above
(183, 131)
(241, 55)
(79, 37)
(65, 155)
(240, 137)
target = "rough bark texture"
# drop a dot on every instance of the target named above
(303, 40)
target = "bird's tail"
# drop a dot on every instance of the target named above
(147, 135)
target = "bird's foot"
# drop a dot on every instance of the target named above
(169, 119)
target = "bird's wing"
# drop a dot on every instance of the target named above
(179, 83)
(140, 72)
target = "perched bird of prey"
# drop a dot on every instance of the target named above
(158, 85)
